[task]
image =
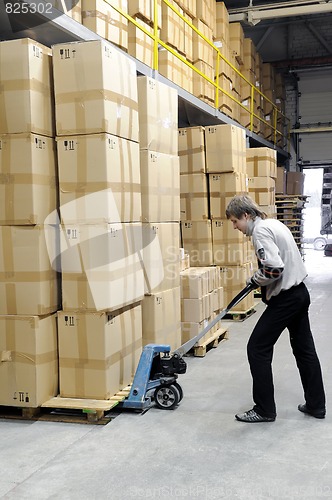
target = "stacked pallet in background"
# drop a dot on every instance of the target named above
(28, 284)
(159, 166)
(99, 327)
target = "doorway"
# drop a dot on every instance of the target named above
(313, 187)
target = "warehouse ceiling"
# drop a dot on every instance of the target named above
(274, 26)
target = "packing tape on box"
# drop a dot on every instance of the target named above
(26, 276)
(255, 163)
(79, 97)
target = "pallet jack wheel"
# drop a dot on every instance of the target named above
(179, 388)
(167, 397)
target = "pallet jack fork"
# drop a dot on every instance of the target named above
(158, 370)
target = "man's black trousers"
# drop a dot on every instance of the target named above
(289, 309)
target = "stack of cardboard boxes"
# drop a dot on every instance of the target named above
(213, 170)
(28, 283)
(99, 327)
(158, 126)
(262, 172)
(140, 44)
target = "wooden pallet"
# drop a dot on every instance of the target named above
(212, 342)
(71, 410)
(240, 315)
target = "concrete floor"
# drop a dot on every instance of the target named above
(198, 450)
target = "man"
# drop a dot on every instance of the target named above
(280, 275)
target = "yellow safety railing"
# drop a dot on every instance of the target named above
(276, 113)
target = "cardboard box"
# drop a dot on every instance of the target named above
(222, 189)
(230, 247)
(197, 241)
(28, 186)
(192, 150)
(26, 88)
(236, 40)
(194, 283)
(194, 197)
(225, 149)
(101, 266)
(95, 90)
(261, 162)
(161, 318)
(281, 180)
(233, 279)
(188, 38)
(268, 77)
(249, 54)
(222, 23)
(98, 353)
(145, 10)
(100, 17)
(161, 256)
(206, 12)
(294, 183)
(262, 190)
(202, 51)
(158, 116)
(28, 284)
(160, 184)
(29, 360)
(99, 179)
(196, 310)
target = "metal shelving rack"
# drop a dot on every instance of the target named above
(50, 29)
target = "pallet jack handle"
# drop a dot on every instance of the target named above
(240, 296)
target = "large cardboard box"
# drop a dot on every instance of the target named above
(222, 189)
(145, 10)
(194, 282)
(194, 197)
(197, 241)
(236, 39)
(158, 116)
(99, 16)
(26, 103)
(99, 179)
(202, 51)
(28, 186)
(28, 284)
(262, 190)
(249, 54)
(281, 180)
(98, 353)
(160, 184)
(161, 256)
(192, 150)
(95, 90)
(222, 31)
(101, 266)
(261, 162)
(233, 279)
(161, 314)
(206, 12)
(28, 360)
(294, 182)
(225, 149)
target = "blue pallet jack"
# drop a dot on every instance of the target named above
(157, 372)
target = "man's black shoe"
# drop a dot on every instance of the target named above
(252, 417)
(312, 413)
